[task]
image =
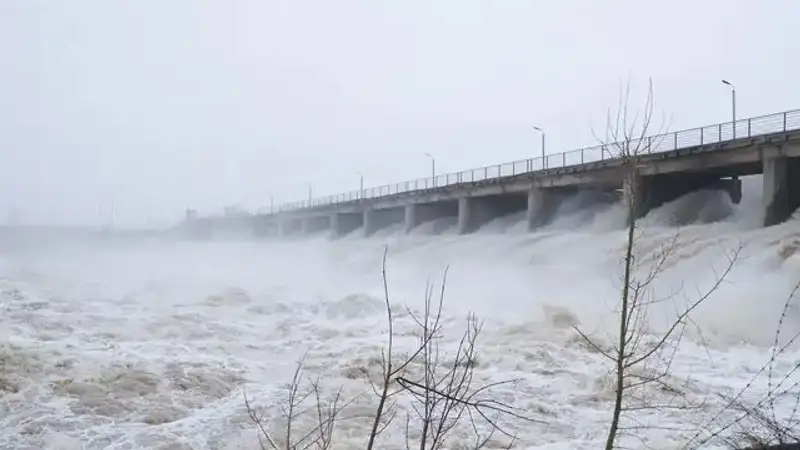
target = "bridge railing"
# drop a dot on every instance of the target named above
(714, 134)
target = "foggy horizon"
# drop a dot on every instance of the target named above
(154, 108)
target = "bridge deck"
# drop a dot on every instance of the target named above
(738, 157)
(727, 148)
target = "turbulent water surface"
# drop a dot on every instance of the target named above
(152, 344)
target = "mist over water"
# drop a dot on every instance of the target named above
(149, 343)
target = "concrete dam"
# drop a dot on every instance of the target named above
(668, 167)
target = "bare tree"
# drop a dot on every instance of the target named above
(756, 424)
(326, 411)
(641, 360)
(444, 394)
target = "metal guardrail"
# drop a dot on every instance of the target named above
(713, 134)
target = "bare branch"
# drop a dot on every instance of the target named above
(637, 361)
(257, 420)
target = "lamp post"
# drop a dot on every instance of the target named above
(733, 101)
(544, 158)
(433, 167)
(360, 185)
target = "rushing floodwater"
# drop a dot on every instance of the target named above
(150, 345)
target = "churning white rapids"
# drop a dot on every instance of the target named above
(153, 344)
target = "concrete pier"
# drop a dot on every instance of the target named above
(410, 211)
(465, 212)
(315, 224)
(781, 188)
(541, 205)
(376, 219)
(290, 226)
(419, 213)
(474, 212)
(262, 227)
(345, 223)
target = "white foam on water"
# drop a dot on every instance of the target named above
(152, 345)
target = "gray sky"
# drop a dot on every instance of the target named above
(159, 105)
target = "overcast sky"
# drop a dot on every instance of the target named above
(156, 105)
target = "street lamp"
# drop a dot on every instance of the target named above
(360, 186)
(544, 159)
(433, 167)
(733, 100)
(309, 195)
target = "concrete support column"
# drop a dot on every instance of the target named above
(335, 226)
(273, 229)
(261, 226)
(284, 227)
(316, 224)
(411, 217)
(370, 222)
(269, 229)
(475, 212)
(781, 188)
(536, 212)
(465, 215)
(345, 223)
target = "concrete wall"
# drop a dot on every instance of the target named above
(781, 188)
(376, 219)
